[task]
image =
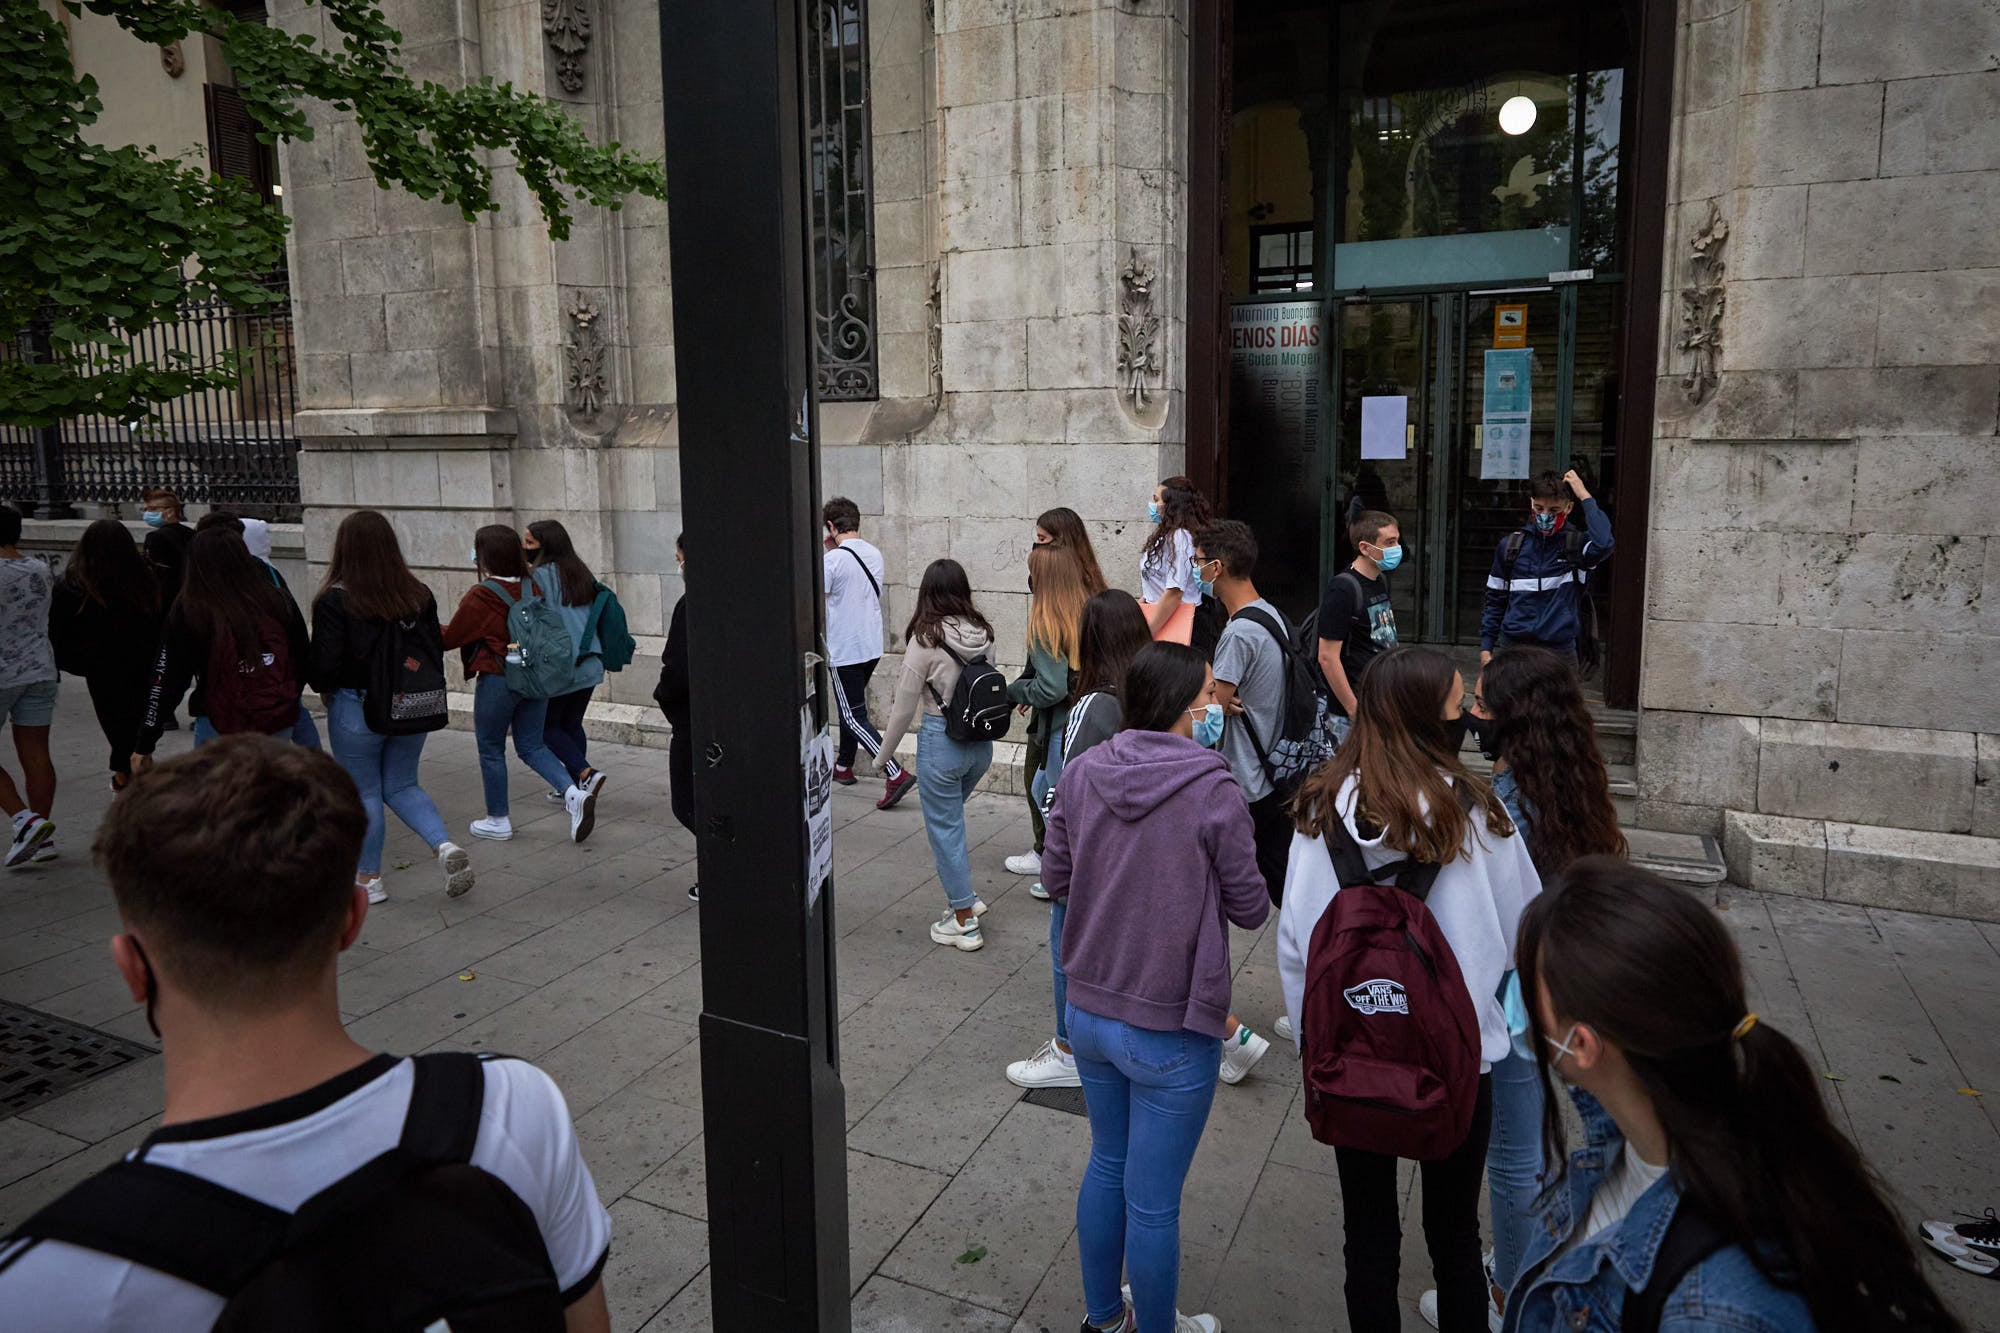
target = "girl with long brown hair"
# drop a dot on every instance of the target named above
(567, 584)
(1058, 588)
(1707, 1136)
(104, 621)
(1169, 590)
(1398, 787)
(1063, 527)
(370, 603)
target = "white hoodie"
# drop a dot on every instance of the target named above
(1478, 900)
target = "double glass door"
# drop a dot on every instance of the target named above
(1488, 388)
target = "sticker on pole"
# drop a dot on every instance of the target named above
(818, 759)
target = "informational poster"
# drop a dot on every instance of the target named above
(1503, 450)
(1384, 427)
(1508, 383)
(1276, 362)
(1508, 397)
(1510, 326)
(816, 751)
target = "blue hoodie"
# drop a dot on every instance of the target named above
(1539, 604)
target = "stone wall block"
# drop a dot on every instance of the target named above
(1790, 323)
(413, 477)
(1902, 678)
(1986, 787)
(854, 471)
(981, 140)
(394, 379)
(473, 479)
(326, 477)
(1904, 223)
(957, 15)
(1867, 775)
(646, 608)
(337, 212)
(1706, 146)
(1672, 817)
(1780, 45)
(1775, 855)
(1942, 318)
(1141, 120)
(903, 364)
(1898, 400)
(1813, 134)
(899, 165)
(1017, 283)
(902, 296)
(1104, 482)
(1768, 238)
(1089, 277)
(454, 258)
(1749, 670)
(1942, 37)
(325, 380)
(653, 374)
(994, 552)
(642, 541)
(1746, 405)
(1941, 873)
(1942, 124)
(1672, 595)
(523, 257)
(1763, 485)
(429, 319)
(1076, 352)
(429, 543)
(974, 215)
(1038, 45)
(967, 481)
(987, 355)
(1004, 418)
(315, 271)
(371, 265)
(1143, 55)
(976, 65)
(1895, 581)
(342, 323)
(1698, 759)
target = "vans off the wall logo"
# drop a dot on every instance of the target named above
(1380, 996)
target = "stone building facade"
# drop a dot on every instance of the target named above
(1815, 520)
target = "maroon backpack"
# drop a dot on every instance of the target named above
(1389, 1038)
(255, 690)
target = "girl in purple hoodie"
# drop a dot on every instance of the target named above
(1149, 842)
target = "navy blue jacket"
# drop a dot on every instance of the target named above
(1540, 604)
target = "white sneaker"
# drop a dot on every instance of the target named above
(376, 892)
(497, 827)
(978, 908)
(1241, 1052)
(966, 936)
(1282, 1025)
(596, 783)
(457, 868)
(1183, 1323)
(46, 852)
(30, 832)
(1427, 1304)
(1036, 891)
(582, 807)
(1027, 863)
(1049, 1067)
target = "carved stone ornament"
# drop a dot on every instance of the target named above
(1701, 309)
(1138, 332)
(934, 328)
(587, 350)
(567, 23)
(173, 60)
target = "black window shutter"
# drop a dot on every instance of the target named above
(233, 149)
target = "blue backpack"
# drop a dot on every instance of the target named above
(539, 651)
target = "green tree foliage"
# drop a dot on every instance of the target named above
(98, 242)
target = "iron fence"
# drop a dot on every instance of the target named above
(231, 446)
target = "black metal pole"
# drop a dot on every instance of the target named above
(772, 1102)
(51, 495)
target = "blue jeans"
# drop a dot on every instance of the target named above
(1148, 1094)
(303, 731)
(385, 769)
(947, 773)
(562, 730)
(1514, 1163)
(496, 710)
(1056, 919)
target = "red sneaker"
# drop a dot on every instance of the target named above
(844, 776)
(898, 787)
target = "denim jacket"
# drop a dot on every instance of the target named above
(1584, 1291)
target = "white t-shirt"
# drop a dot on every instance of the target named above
(1477, 899)
(1172, 566)
(287, 1151)
(25, 653)
(1629, 1177)
(853, 608)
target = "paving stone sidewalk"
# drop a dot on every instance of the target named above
(586, 960)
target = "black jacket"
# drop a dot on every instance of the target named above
(100, 641)
(344, 646)
(671, 694)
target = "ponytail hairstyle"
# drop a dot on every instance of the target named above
(1114, 630)
(1065, 529)
(1403, 763)
(945, 594)
(1182, 509)
(577, 584)
(1543, 730)
(1652, 971)
(1055, 613)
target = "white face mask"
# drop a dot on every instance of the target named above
(1563, 1047)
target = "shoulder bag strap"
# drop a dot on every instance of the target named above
(1690, 1238)
(865, 570)
(1271, 627)
(946, 648)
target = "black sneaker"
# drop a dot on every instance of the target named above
(1973, 1246)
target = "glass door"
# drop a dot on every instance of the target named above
(1387, 360)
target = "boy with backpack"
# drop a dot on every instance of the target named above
(1539, 589)
(1356, 620)
(305, 1182)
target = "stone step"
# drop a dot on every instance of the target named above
(1947, 874)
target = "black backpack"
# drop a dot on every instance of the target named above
(406, 689)
(416, 1238)
(1690, 1238)
(979, 709)
(1587, 645)
(1305, 738)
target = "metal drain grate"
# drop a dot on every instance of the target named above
(1057, 1099)
(43, 1057)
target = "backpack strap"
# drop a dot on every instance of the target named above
(1258, 616)
(1412, 876)
(865, 570)
(941, 644)
(1690, 1238)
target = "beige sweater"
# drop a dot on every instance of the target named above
(926, 669)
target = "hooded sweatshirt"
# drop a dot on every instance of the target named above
(1149, 840)
(1478, 900)
(929, 674)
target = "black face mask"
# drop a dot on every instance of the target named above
(1481, 729)
(1455, 730)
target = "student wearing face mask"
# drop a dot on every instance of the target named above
(1150, 845)
(1356, 620)
(1540, 577)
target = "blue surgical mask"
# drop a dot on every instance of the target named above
(1208, 725)
(1391, 557)
(1545, 522)
(472, 556)
(1152, 511)
(1205, 586)
(154, 518)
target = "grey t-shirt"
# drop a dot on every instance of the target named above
(1247, 657)
(25, 653)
